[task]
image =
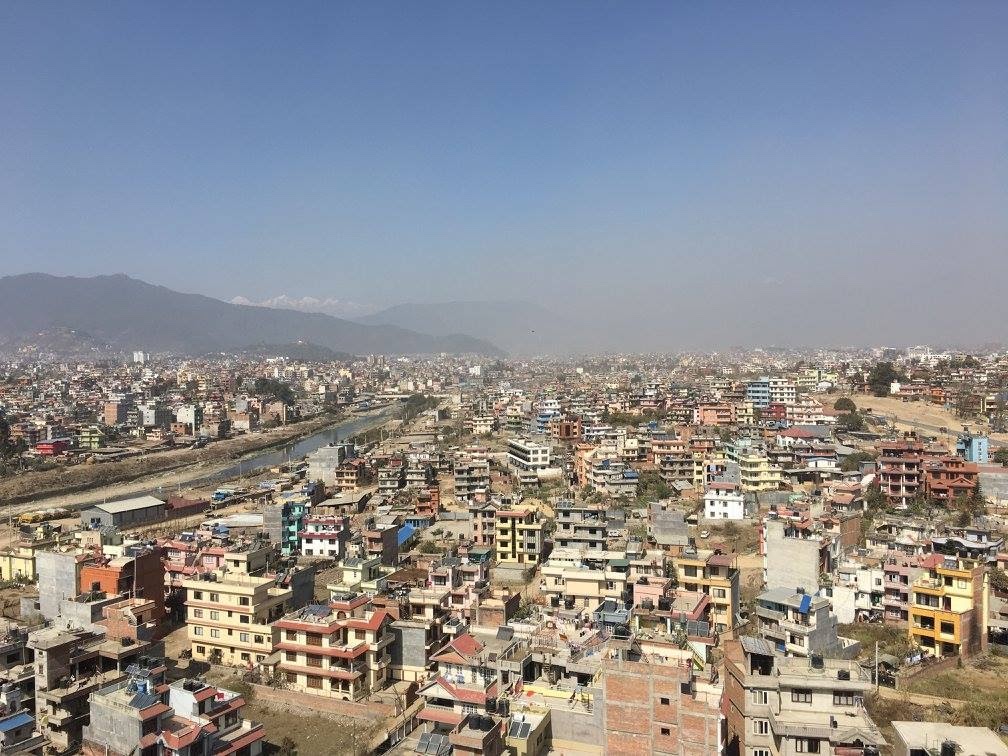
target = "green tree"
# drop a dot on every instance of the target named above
(853, 461)
(881, 377)
(1000, 457)
(850, 422)
(845, 404)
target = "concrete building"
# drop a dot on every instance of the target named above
(228, 615)
(900, 471)
(973, 448)
(472, 479)
(724, 501)
(336, 650)
(799, 624)
(518, 537)
(325, 537)
(656, 705)
(941, 738)
(796, 555)
(69, 666)
(186, 718)
(527, 455)
(714, 574)
(128, 513)
(777, 706)
(948, 605)
(580, 525)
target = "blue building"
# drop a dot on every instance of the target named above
(973, 448)
(758, 392)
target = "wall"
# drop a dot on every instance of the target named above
(109, 727)
(636, 721)
(791, 562)
(57, 580)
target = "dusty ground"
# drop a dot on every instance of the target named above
(922, 416)
(54, 488)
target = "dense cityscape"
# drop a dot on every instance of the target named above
(762, 551)
(568, 378)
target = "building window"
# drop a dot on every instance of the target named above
(197, 612)
(291, 656)
(666, 731)
(243, 600)
(214, 615)
(214, 597)
(947, 628)
(801, 696)
(197, 595)
(761, 727)
(200, 649)
(760, 697)
(761, 752)
(214, 632)
(243, 637)
(843, 698)
(291, 635)
(664, 701)
(197, 630)
(806, 745)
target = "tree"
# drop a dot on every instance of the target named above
(881, 377)
(853, 461)
(845, 404)
(1000, 457)
(850, 422)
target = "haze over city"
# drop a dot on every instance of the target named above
(660, 176)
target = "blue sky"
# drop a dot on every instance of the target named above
(788, 162)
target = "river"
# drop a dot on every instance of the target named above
(253, 463)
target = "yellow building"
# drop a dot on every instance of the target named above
(948, 608)
(756, 473)
(714, 574)
(90, 437)
(229, 615)
(519, 537)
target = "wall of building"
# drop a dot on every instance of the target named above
(57, 580)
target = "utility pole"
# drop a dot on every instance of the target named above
(876, 667)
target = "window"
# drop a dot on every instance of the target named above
(761, 727)
(244, 619)
(666, 731)
(806, 745)
(245, 657)
(719, 593)
(664, 702)
(243, 600)
(947, 628)
(291, 635)
(200, 649)
(214, 615)
(843, 698)
(197, 595)
(243, 637)
(214, 632)
(197, 612)
(760, 697)
(291, 656)
(214, 597)
(801, 696)
(761, 752)
(197, 630)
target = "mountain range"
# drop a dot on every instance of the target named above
(518, 327)
(129, 314)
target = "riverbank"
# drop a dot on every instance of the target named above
(138, 475)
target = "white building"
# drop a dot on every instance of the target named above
(724, 501)
(523, 454)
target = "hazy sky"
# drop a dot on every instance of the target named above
(717, 173)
